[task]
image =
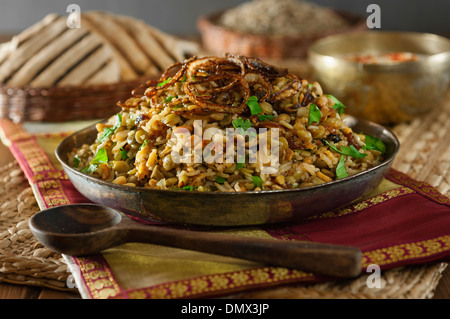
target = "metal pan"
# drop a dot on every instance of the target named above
(230, 209)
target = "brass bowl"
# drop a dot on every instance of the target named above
(229, 209)
(383, 93)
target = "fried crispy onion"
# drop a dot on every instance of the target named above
(217, 84)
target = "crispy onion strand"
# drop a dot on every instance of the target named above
(217, 84)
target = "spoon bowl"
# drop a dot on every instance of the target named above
(77, 229)
(85, 229)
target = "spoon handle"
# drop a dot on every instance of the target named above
(322, 259)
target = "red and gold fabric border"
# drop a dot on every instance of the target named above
(101, 283)
(364, 204)
(97, 277)
(48, 182)
(426, 250)
(12, 132)
(420, 187)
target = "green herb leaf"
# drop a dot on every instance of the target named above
(253, 104)
(257, 181)
(169, 98)
(186, 188)
(100, 157)
(76, 161)
(341, 171)
(110, 131)
(314, 114)
(89, 169)
(345, 150)
(164, 82)
(220, 180)
(123, 153)
(240, 162)
(338, 106)
(263, 117)
(373, 143)
(143, 144)
(240, 123)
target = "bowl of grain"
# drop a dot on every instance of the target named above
(384, 76)
(273, 29)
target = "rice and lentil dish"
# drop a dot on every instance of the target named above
(136, 146)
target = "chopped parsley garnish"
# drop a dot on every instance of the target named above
(123, 153)
(253, 104)
(186, 188)
(373, 143)
(76, 161)
(263, 117)
(109, 131)
(220, 180)
(164, 82)
(341, 171)
(170, 98)
(257, 181)
(240, 123)
(143, 144)
(338, 106)
(100, 157)
(89, 169)
(314, 114)
(240, 162)
(345, 150)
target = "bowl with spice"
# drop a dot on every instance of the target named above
(273, 29)
(384, 76)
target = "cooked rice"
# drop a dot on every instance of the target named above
(140, 148)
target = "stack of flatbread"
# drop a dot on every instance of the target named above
(107, 48)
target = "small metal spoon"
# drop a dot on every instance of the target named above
(84, 229)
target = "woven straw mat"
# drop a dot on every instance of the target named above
(424, 155)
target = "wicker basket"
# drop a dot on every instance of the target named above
(60, 104)
(220, 40)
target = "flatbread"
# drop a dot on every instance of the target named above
(34, 30)
(107, 74)
(86, 69)
(149, 44)
(111, 29)
(45, 56)
(5, 51)
(67, 60)
(127, 71)
(177, 47)
(19, 56)
(108, 48)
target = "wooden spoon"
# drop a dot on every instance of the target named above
(84, 229)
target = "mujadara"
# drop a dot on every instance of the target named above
(140, 145)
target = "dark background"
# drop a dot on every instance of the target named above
(179, 16)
